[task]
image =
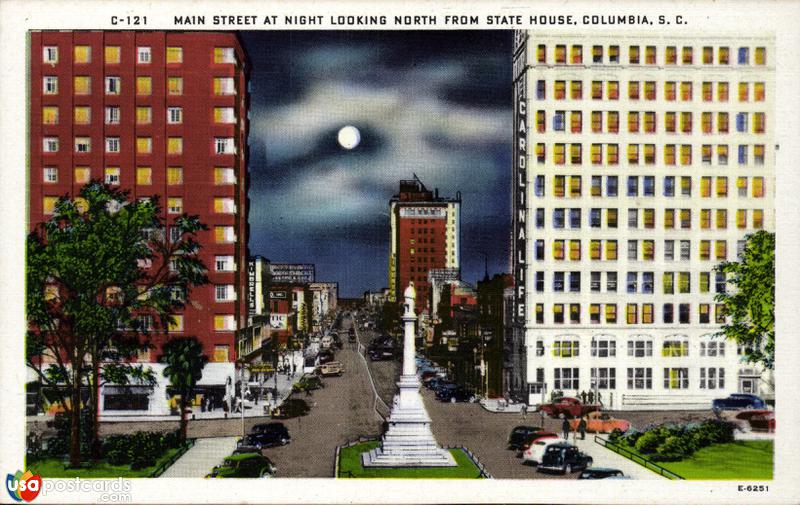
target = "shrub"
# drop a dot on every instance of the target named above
(719, 432)
(616, 436)
(674, 448)
(140, 449)
(632, 436)
(649, 442)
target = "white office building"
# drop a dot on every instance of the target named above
(641, 162)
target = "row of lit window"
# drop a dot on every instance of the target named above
(570, 282)
(144, 175)
(645, 121)
(635, 313)
(222, 205)
(638, 250)
(82, 115)
(568, 379)
(144, 145)
(611, 54)
(648, 90)
(641, 218)
(572, 186)
(639, 348)
(112, 55)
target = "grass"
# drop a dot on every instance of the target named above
(739, 460)
(55, 468)
(350, 466)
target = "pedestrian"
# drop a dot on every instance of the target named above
(203, 404)
(591, 396)
(600, 399)
(583, 396)
(565, 428)
(582, 428)
(524, 410)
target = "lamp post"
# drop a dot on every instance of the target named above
(244, 377)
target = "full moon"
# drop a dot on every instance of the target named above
(349, 137)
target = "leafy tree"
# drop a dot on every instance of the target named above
(185, 361)
(102, 276)
(750, 305)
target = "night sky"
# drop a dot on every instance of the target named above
(437, 104)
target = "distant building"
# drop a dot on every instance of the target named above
(257, 286)
(493, 300)
(297, 273)
(324, 298)
(425, 231)
(376, 298)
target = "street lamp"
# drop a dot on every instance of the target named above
(244, 377)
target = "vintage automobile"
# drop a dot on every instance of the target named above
(535, 449)
(601, 473)
(738, 401)
(308, 383)
(291, 407)
(565, 458)
(266, 435)
(756, 420)
(519, 434)
(244, 465)
(331, 368)
(568, 406)
(455, 393)
(601, 422)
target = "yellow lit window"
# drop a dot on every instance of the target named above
(223, 205)
(650, 122)
(613, 54)
(705, 311)
(649, 218)
(758, 187)
(706, 120)
(722, 219)
(576, 154)
(49, 115)
(576, 121)
(669, 154)
(222, 352)
(613, 90)
(576, 90)
(758, 91)
(612, 154)
(687, 58)
(705, 249)
(597, 90)
(611, 313)
(744, 91)
(558, 315)
(633, 122)
(669, 90)
(559, 155)
(633, 55)
(82, 85)
(686, 154)
(597, 121)
(540, 153)
(633, 154)
(722, 122)
(175, 145)
(144, 145)
(82, 175)
(611, 250)
(574, 250)
(112, 55)
(721, 249)
(144, 85)
(669, 218)
(758, 122)
(686, 218)
(597, 54)
(560, 90)
(648, 250)
(174, 176)
(174, 54)
(559, 186)
(650, 55)
(144, 115)
(668, 283)
(575, 185)
(220, 322)
(540, 121)
(650, 154)
(708, 95)
(176, 323)
(650, 90)
(686, 91)
(613, 121)
(708, 55)
(672, 55)
(594, 312)
(633, 90)
(686, 122)
(705, 187)
(558, 249)
(49, 204)
(596, 153)
(144, 175)
(706, 152)
(175, 85)
(723, 55)
(722, 91)
(722, 186)
(705, 219)
(611, 218)
(758, 219)
(761, 56)
(647, 313)
(576, 54)
(82, 115)
(632, 313)
(594, 249)
(705, 282)
(541, 53)
(83, 54)
(669, 122)
(561, 53)
(758, 154)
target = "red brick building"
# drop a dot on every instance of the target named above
(156, 113)
(425, 232)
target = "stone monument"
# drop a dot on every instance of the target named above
(409, 441)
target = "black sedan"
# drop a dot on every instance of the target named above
(565, 458)
(267, 435)
(454, 393)
(519, 435)
(738, 401)
(601, 473)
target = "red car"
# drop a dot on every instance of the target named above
(570, 407)
(757, 420)
(532, 438)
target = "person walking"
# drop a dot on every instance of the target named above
(524, 410)
(582, 428)
(565, 428)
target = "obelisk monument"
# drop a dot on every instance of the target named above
(409, 441)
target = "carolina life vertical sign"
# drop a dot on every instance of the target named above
(520, 174)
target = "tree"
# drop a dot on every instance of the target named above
(750, 305)
(185, 361)
(102, 276)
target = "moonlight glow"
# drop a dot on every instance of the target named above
(349, 137)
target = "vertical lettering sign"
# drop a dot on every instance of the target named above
(520, 174)
(251, 287)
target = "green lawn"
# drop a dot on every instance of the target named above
(55, 468)
(350, 466)
(740, 460)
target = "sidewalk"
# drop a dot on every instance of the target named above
(202, 457)
(609, 459)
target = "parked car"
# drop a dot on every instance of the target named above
(266, 435)
(601, 422)
(331, 368)
(756, 420)
(291, 407)
(455, 394)
(325, 356)
(519, 434)
(601, 473)
(570, 407)
(565, 458)
(381, 355)
(738, 401)
(308, 383)
(531, 440)
(427, 375)
(535, 450)
(244, 465)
